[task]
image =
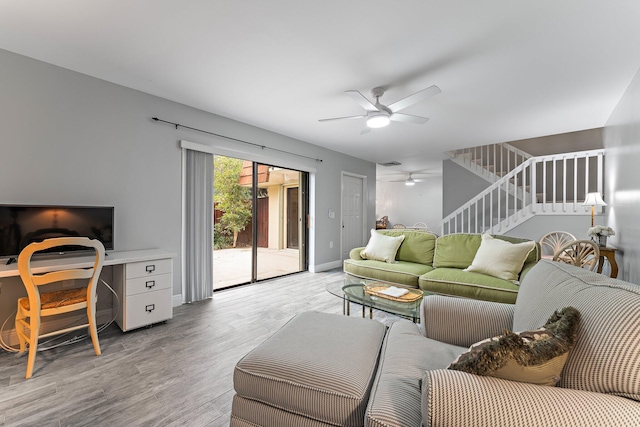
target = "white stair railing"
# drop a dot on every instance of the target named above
(491, 162)
(547, 185)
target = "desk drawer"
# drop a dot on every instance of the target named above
(148, 268)
(145, 309)
(143, 285)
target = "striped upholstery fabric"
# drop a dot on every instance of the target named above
(319, 366)
(442, 318)
(406, 354)
(606, 356)
(454, 398)
(251, 413)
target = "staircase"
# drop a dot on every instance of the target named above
(523, 186)
(490, 162)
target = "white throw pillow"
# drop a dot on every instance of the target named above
(381, 247)
(499, 258)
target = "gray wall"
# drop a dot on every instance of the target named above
(72, 139)
(536, 227)
(590, 139)
(459, 186)
(622, 184)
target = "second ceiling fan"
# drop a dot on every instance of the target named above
(379, 115)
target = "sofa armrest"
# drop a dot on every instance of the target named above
(525, 270)
(355, 253)
(463, 321)
(457, 398)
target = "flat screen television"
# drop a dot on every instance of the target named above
(24, 224)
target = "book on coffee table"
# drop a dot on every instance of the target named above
(396, 293)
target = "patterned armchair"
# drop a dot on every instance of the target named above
(600, 382)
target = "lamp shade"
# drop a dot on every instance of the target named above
(594, 199)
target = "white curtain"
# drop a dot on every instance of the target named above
(198, 220)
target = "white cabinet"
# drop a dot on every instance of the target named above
(145, 289)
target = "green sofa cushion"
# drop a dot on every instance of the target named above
(453, 281)
(418, 246)
(401, 272)
(456, 250)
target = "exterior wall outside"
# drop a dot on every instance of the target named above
(274, 216)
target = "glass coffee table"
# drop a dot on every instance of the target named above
(352, 289)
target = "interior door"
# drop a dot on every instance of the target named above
(353, 221)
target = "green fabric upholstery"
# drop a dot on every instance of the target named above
(401, 272)
(435, 265)
(455, 282)
(456, 250)
(418, 246)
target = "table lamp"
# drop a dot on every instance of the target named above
(593, 200)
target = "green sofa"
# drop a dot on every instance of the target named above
(435, 265)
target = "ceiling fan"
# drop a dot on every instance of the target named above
(409, 180)
(379, 115)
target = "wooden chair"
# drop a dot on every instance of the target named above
(550, 243)
(581, 253)
(37, 305)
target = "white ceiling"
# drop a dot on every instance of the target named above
(508, 69)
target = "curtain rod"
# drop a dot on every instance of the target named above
(263, 147)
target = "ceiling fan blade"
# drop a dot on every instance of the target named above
(400, 180)
(401, 117)
(415, 98)
(343, 118)
(362, 100)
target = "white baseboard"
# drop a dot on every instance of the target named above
(176, 300)
(325, 267)
(102, 316)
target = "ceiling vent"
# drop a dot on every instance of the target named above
(392, 163)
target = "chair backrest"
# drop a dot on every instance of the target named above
(32, 280)
(398, 226)
(420, 225)
(550, 243)
(581, 253)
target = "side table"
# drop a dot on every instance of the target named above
(610, 255)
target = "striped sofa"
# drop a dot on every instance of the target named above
(409, 384)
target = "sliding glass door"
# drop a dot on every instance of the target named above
(259, 227)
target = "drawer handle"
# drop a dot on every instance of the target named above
(150, 284)
(151, 268)
(149, 308)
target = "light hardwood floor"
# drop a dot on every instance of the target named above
(174, 374)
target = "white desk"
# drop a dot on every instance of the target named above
(142, 280)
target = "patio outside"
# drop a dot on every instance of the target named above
(276, 218)
(233, 266)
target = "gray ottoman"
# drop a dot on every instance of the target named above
(317, 370)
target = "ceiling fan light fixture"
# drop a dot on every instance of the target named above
(409, 181)
(378, 119)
